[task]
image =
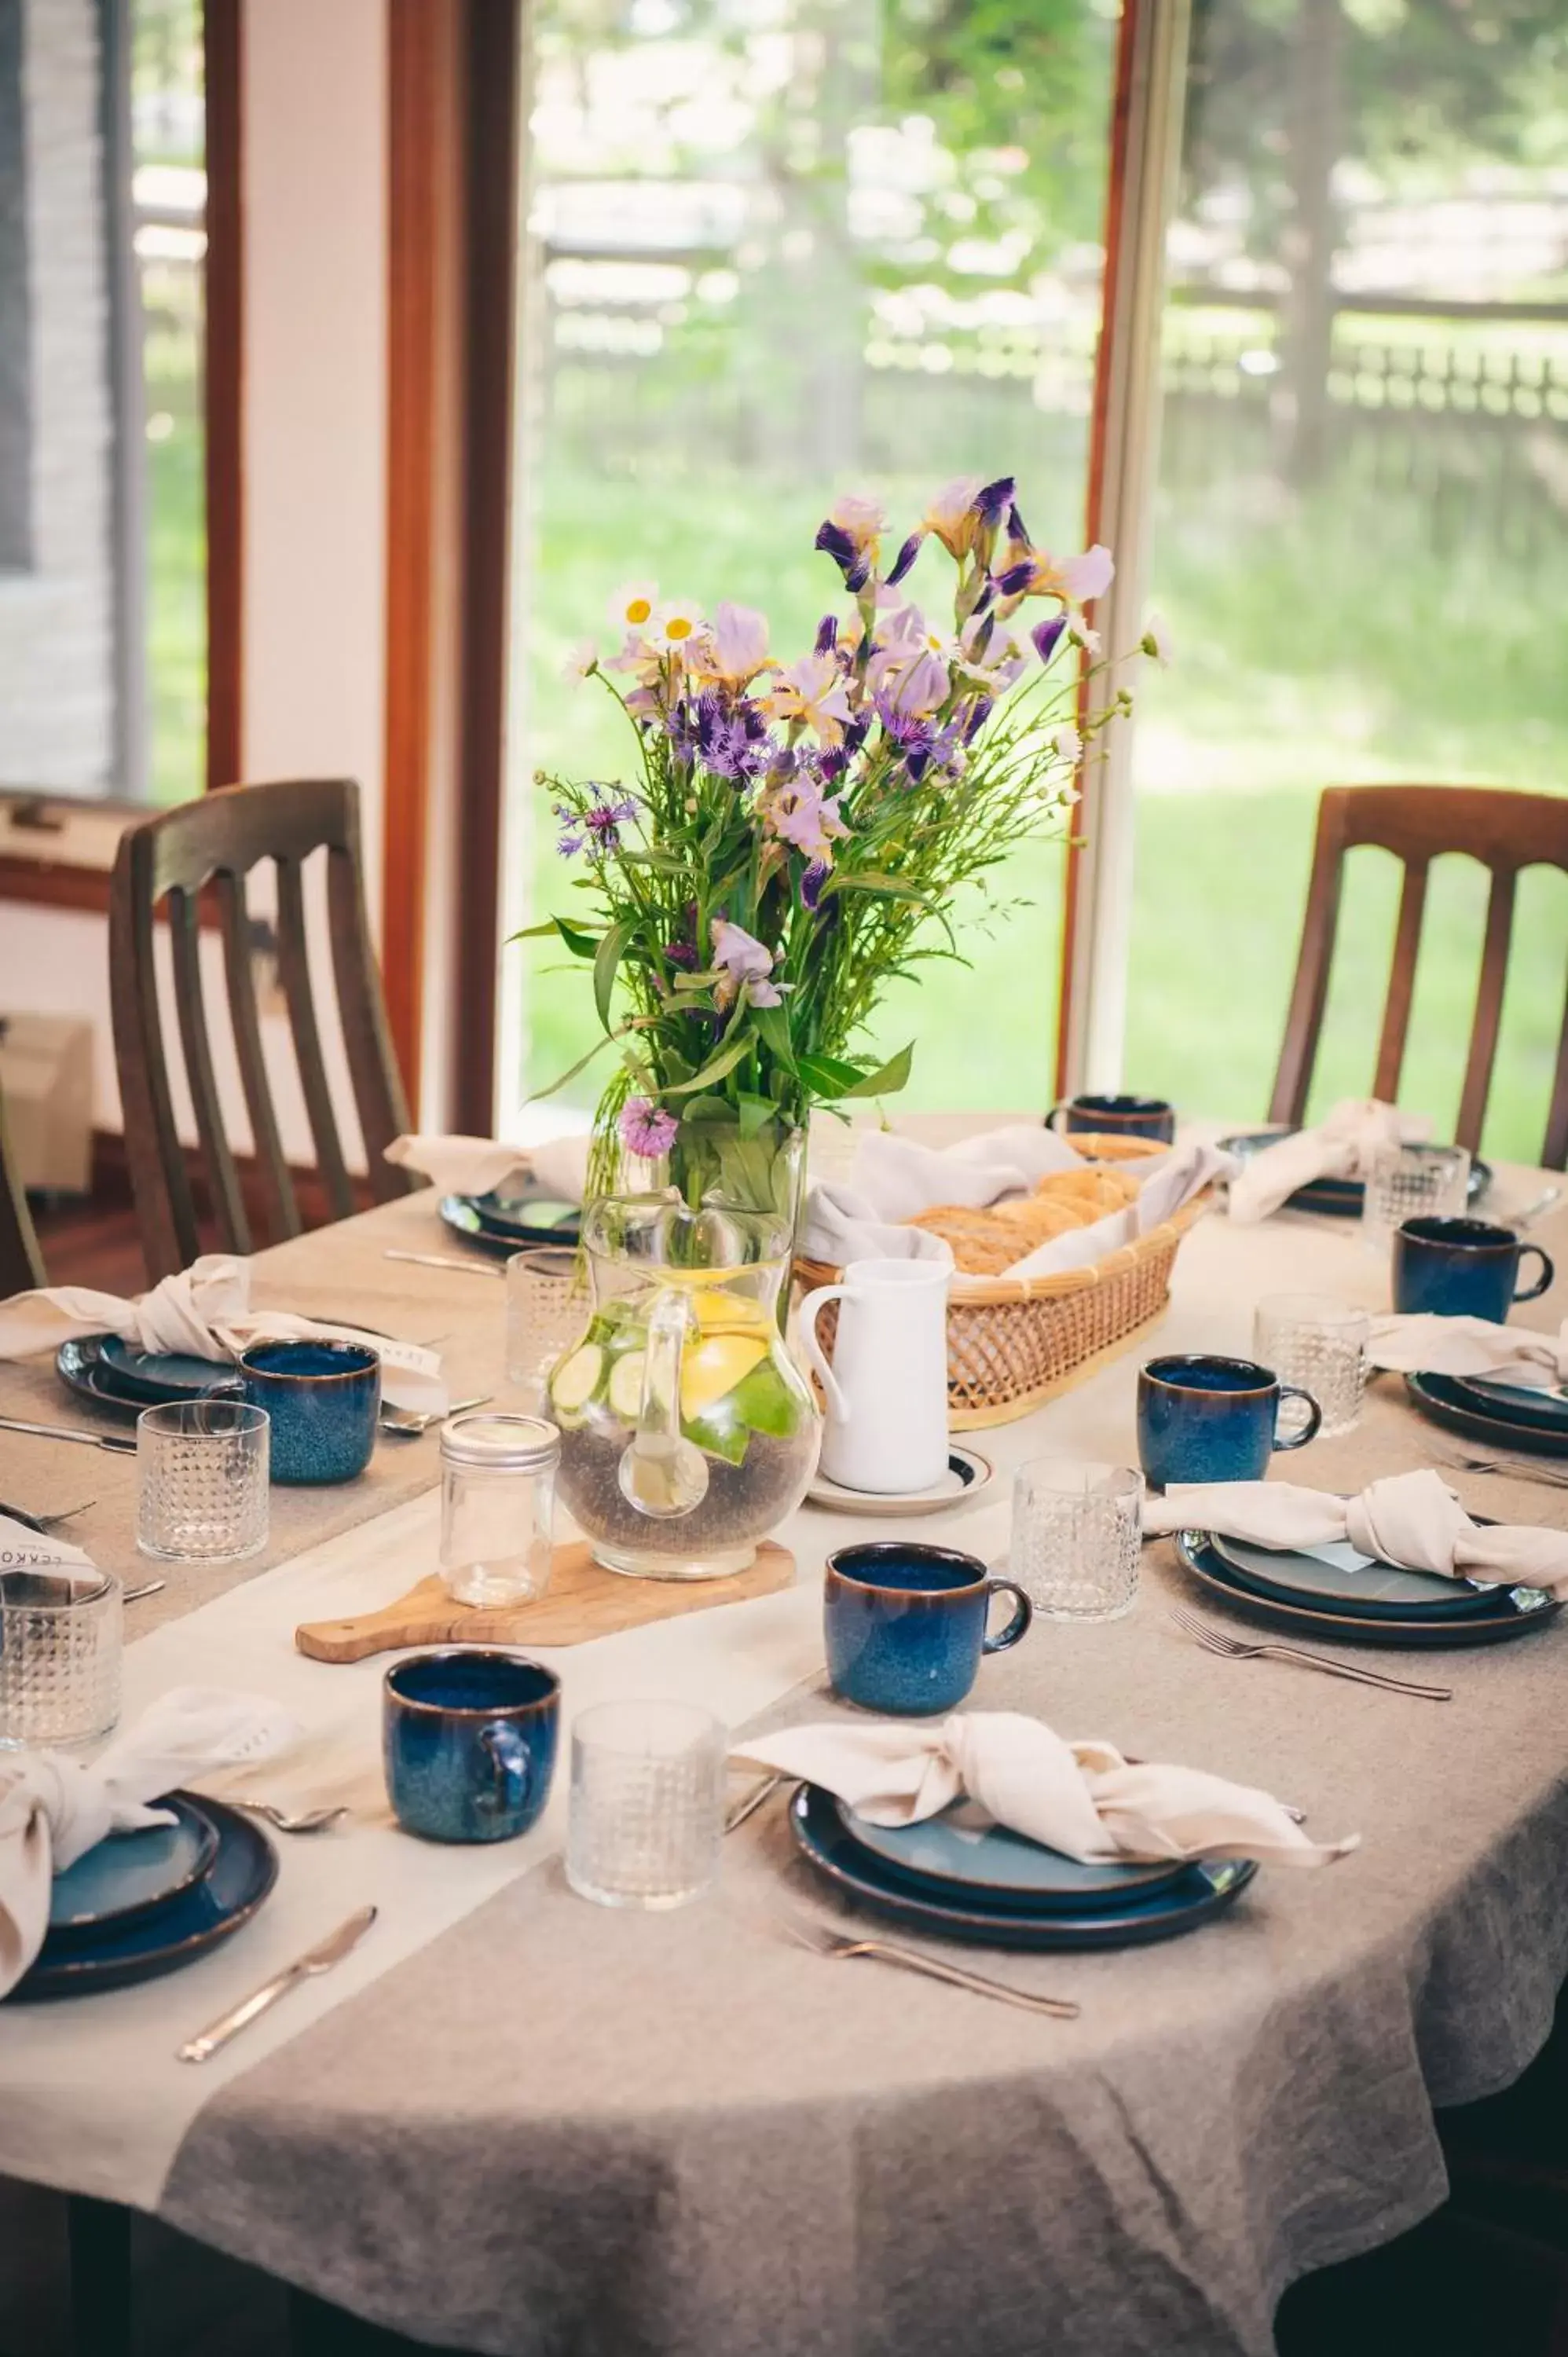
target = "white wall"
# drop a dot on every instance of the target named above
(315, 441)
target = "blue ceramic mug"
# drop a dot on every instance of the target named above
(1463, 1268)
(1114, 1117)
(469, 1739)
(906, 1624)
(323, 1398)
(1210, 1419)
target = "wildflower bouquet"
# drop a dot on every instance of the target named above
(795, 831)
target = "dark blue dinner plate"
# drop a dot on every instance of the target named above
(1342, 1198)
(1511, 1611)
(1547, 1410)
(146, 1946)
(84, 1368)
(132, 1874)
(1198, 1893)
(1463, 1408)
(504, 1224)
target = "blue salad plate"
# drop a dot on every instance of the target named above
(1342, 1198)
(113, 1375)
(161, 1934)
(1503, 1414)
(133, 1874)
(1097, 1918)
(1294, 1591)
(509, 1223)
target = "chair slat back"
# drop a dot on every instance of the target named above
(21, 1262)
(208, 849)
(1507, 832)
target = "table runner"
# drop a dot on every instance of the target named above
(680, 2132)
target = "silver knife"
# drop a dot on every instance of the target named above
(445, 1259)
(319, 1959)
(121, 1443)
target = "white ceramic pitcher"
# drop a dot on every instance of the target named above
(887, 1387)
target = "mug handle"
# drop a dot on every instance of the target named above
(1019, 1623)
(1050, 1120)
(1530, 1292)
(511, 1768)
(810, 1311)
(1309, 1430)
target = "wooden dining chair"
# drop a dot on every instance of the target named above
(21, 1262)
(1507, 832)
(200, 857)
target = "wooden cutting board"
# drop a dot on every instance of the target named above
(582, 1600)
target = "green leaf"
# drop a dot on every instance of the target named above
(885, 888)
(607, 959)
(580, 943)
(572, 1072)
(726, 1060)
(829, 1076)
(773, 1029)
(710, 1113)
(755, 1112)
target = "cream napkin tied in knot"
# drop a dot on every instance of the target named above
(1423, 1344)
(1341, 1146)
(1412, 1520)
(55, 1808)
(204, 1312)
(485, 1166)
(1082, 1799)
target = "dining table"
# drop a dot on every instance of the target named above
(515, 2121)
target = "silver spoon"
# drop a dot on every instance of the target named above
(408, 1422)
(302, 1821)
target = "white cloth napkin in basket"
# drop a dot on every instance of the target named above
(1341, 1146)
(1082, 1799)
(55, 1808)
(204, 1312)
(1412, 1520)
(893, 1180)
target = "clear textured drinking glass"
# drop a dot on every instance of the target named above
(647, 1801)
(547, 1304)
(1319, 1345)
(203, 1481)
(1076, 1528)
(61, 1640)
(1413, 1182)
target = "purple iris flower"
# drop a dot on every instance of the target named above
(856, 733)
(980, 714)
(1016, 526)
(812, 884)
(988, 593)
(832, 762)
(921, 744)
(730, 739)
(1016, 579)
(827, 633)
(854, 563)
(991, 504)
(1045, 635)
(905, 558)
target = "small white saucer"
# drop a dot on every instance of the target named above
(967, 1475)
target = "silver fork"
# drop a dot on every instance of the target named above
(1237, 1649)
(815, 1936)
(1545, 1474)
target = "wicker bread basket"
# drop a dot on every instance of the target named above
(1015, 1343)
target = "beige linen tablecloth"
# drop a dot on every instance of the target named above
(558, 2128)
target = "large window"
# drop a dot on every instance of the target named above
(778, 248)
(102, 542)
(1360, 539)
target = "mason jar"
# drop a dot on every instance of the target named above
(497, 1498)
